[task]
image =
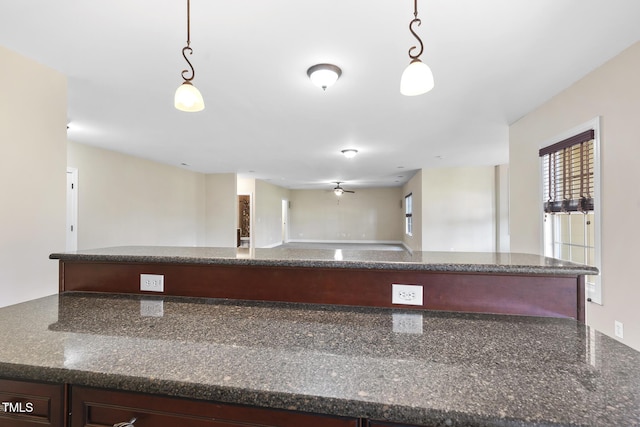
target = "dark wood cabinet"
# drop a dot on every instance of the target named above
(102, 408)
(25, 404)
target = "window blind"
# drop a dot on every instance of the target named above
(567, 169)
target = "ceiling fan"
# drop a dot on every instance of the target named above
(339, 190)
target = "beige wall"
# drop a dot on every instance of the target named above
(124, 200)
(368, 215)
(459, 209)
(413, 187)
(33, 118)
(456, 209)
(267, 211)
(221, 210)
(613, 93)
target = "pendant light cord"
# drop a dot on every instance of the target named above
(189, 22)
(187, 48)
(415, 21)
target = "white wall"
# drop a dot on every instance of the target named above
(458, 209)
(368, 215)
(33, 118)
(221, 210)
(268, 213)
(246, 186)
(612, 92)
(124, 200)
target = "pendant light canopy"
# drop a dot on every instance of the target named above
(417, 78)
(324, 75)
(188, 98)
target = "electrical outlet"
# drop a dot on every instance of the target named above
(618, 329)
(152, 282)
(406, 294)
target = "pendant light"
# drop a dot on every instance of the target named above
(188, 98)
(417, 78)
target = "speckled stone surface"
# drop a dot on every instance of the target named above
(426, 368)
(483, 262)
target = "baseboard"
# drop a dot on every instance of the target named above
(273, 245)
(367, 242)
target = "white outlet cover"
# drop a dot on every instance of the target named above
(406, 294)
(618, 329)
(152, 282)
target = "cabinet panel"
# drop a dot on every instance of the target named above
(532, 295)
(24, 404)
(102, 408)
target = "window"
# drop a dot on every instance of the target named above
(569, 203)
(408, 214)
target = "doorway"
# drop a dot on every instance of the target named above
(285, 221)
(72, 210)
(244, 221)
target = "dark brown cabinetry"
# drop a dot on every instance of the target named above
(97, 408)
(24, 404)
(521, 294)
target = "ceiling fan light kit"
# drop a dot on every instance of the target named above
(339, 191)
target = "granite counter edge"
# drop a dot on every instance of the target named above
(331, 406)
(313, 263)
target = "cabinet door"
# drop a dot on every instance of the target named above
(98, 408)
(24, 404)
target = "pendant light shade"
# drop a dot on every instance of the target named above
(416, 79)
(188, 98)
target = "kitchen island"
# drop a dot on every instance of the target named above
(356, 366)
(503, 283)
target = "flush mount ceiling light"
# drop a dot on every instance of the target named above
(417, 78)
(349, 153)
(188, 98)
(324, 75)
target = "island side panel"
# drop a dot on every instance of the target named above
(537, 295)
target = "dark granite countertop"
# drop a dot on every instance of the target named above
(481, 262)
(430, 368)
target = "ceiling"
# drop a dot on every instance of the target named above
(493, 62)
